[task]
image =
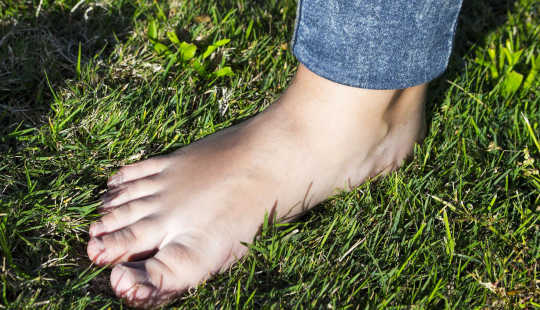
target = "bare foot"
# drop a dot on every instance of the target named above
(173, 221)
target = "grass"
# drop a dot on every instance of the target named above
(86, 87)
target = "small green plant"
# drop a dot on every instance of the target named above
(185, 54)
(502, 63)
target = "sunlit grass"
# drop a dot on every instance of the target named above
(456, 227)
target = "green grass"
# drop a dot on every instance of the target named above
(83, 90)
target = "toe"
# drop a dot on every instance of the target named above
(138, 170)
(124, 215)
(131, 282)
(132, 242)
(143, 187)
(151, 282)
(142, 283)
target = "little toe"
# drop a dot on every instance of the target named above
(132, 242)
(138, 170)
(124, 215)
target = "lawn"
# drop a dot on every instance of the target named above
(88, 86)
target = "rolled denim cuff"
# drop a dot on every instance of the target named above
(375, 44)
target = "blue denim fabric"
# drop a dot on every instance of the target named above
(375, 44)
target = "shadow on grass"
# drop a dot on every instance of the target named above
(36, 49)
(36, 52)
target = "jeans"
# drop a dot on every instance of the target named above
(375, 44)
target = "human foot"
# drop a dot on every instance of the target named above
(172, 221)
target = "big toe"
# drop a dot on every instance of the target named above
(132, 242)
(132, 282)
(154, 281)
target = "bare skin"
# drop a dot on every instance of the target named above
(172, 221)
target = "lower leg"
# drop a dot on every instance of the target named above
(183, 216)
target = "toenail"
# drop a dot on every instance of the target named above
(137, 292)
(108, 197)
(115, 180)
(96, 228)
(96, 243)
(105, 198)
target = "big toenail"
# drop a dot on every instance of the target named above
(97, 244)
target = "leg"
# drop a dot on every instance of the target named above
(172, 221)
